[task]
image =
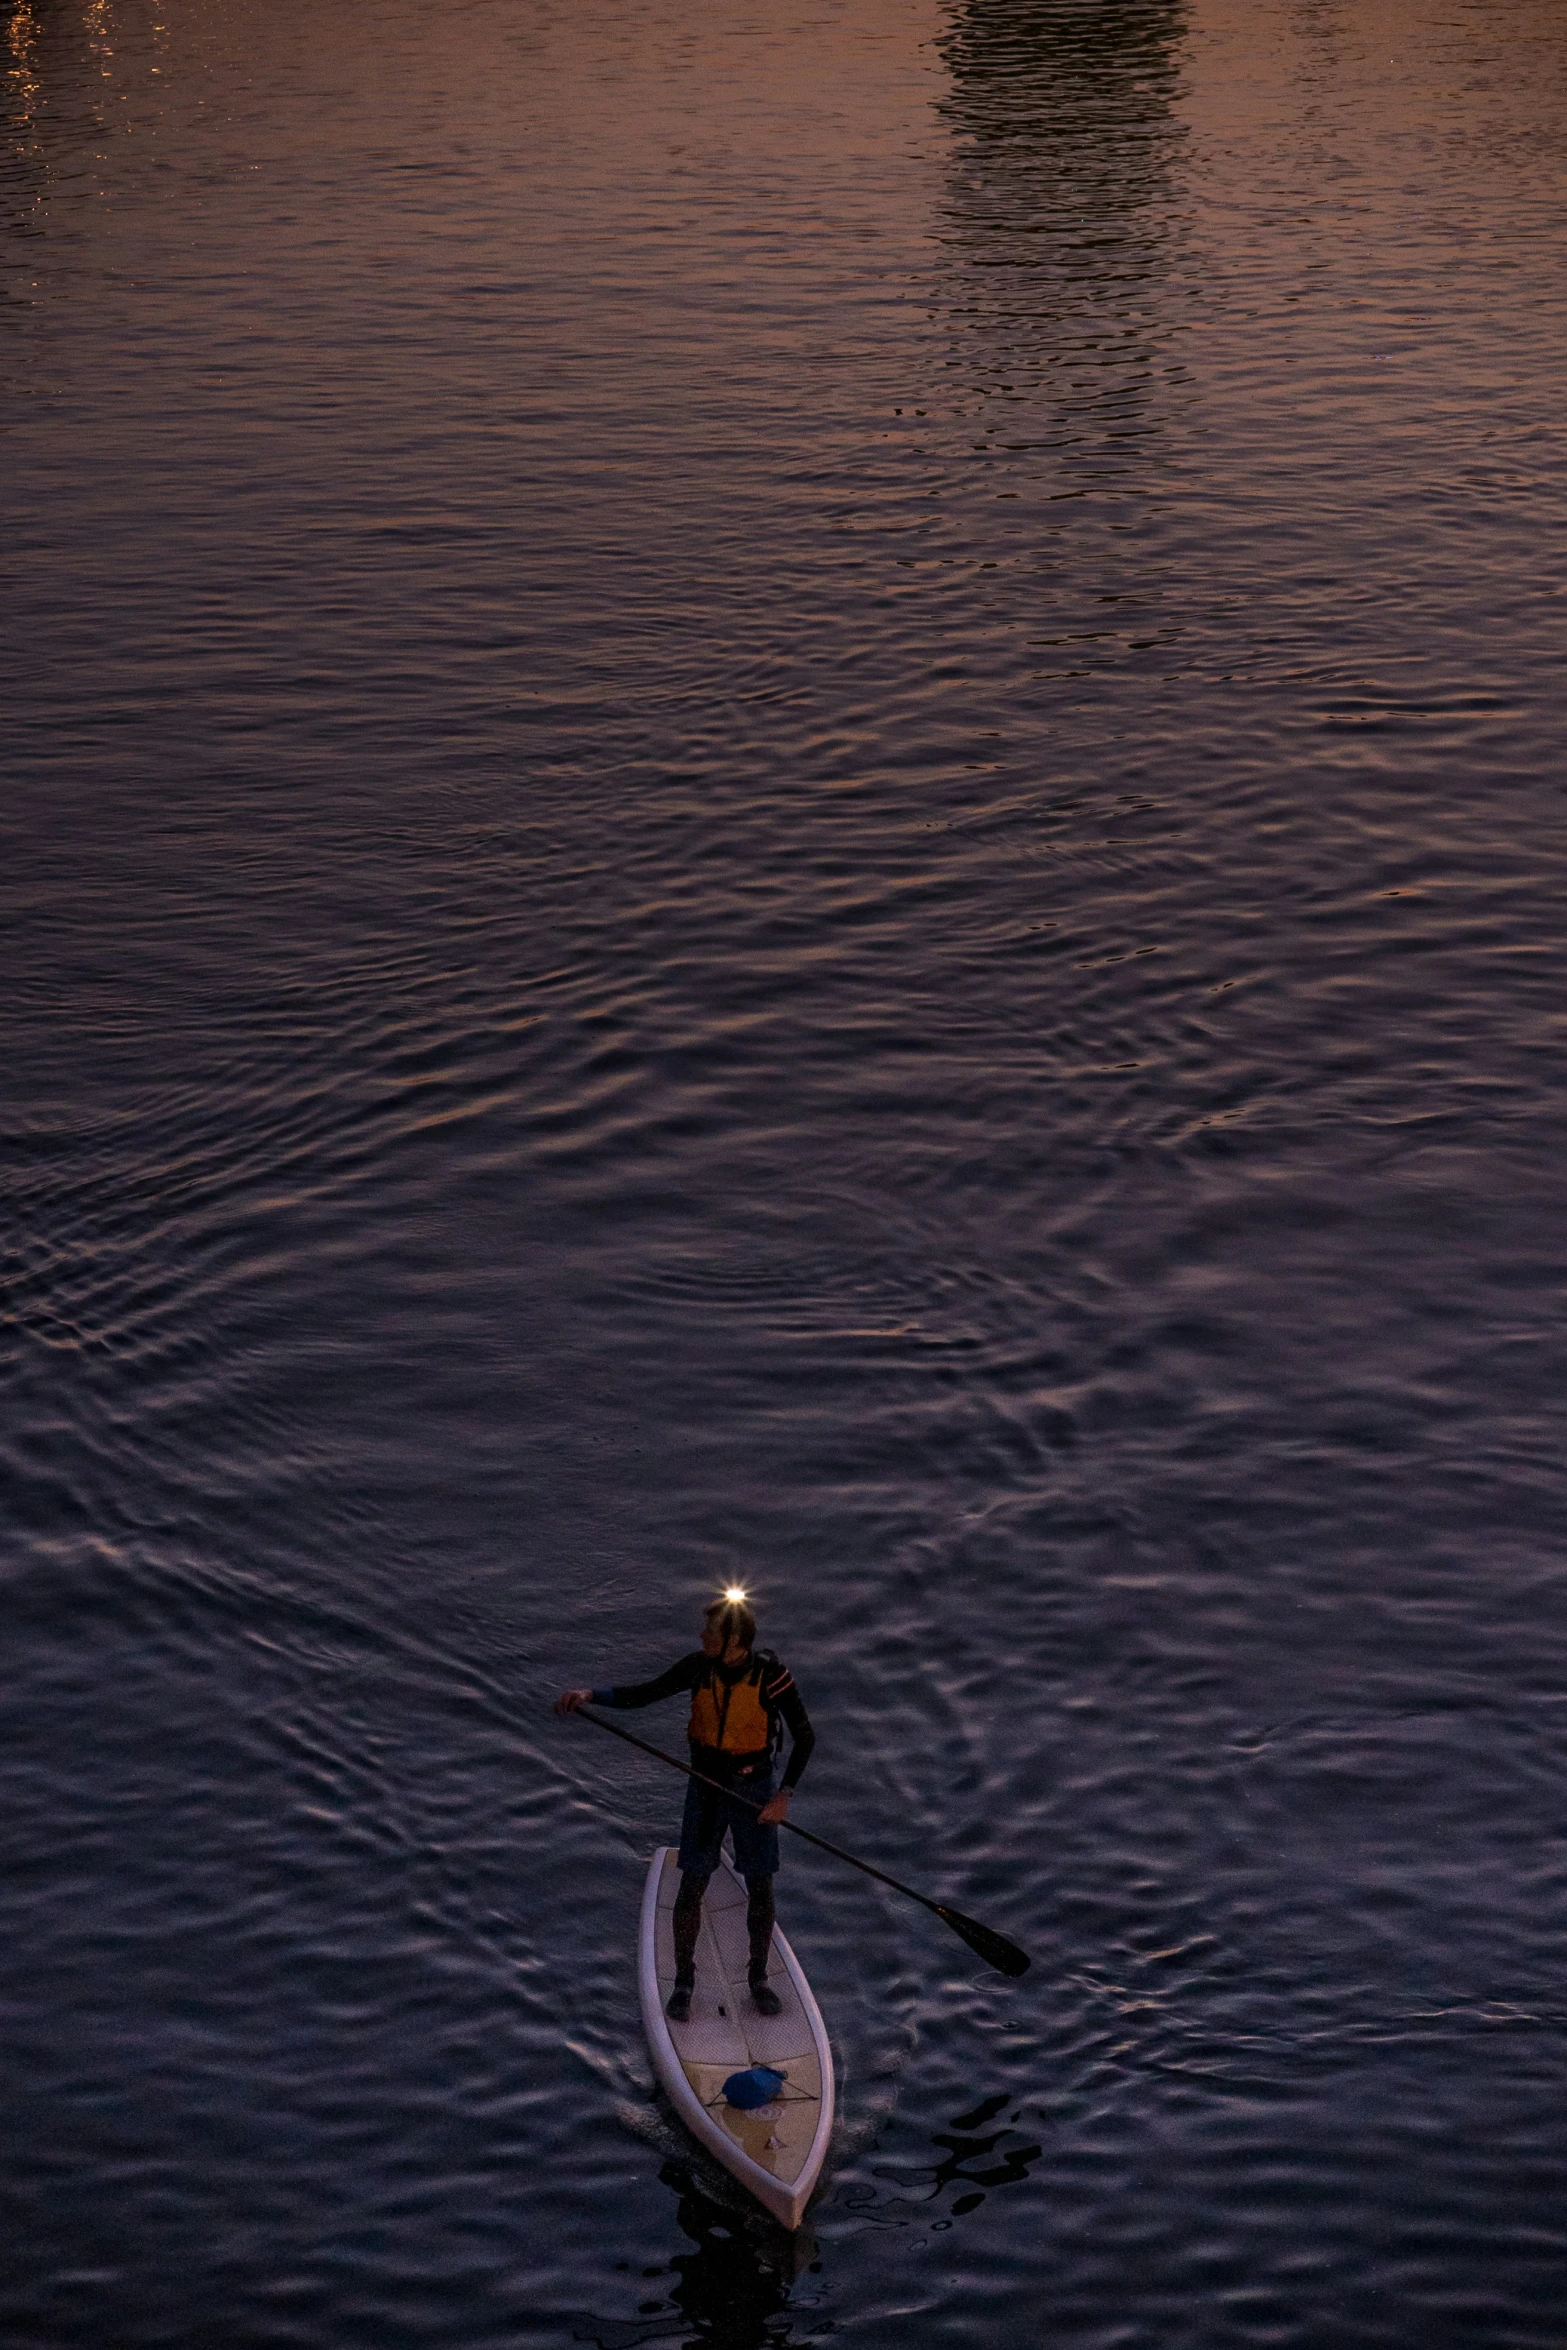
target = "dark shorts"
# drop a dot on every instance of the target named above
(709, 1813)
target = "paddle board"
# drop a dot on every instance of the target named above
(777, 2150)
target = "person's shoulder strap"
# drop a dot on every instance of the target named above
(775, 1676)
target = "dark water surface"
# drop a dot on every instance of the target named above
(783, 796)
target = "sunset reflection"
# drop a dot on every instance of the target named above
(22, 35)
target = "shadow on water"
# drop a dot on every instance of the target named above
(1059, 193)
(732, 2291)
(1060, 238)
(744, 2285)
(1062, 114)
(975, 2158)
(1061, 229)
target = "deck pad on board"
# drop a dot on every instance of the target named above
(726, 2034)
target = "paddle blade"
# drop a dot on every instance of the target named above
(985, 1942)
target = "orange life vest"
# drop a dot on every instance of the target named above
(730, 1717)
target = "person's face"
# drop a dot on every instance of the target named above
(713, 1635)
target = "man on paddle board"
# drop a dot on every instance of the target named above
(742, 1701)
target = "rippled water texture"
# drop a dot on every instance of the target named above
(783, 796)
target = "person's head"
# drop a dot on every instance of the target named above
(728, 1628)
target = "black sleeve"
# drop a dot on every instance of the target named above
(684, 1675)
(780, 1691)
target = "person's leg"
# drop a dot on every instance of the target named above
(759, 1920)
(701, 1841)
(688, 1924)
(756, 1857)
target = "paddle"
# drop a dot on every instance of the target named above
(984, 1941)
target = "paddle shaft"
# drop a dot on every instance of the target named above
(703, 1780)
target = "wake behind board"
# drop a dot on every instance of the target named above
(776, 2151)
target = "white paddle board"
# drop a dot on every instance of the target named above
(777, 2150)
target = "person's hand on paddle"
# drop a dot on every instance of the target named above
(776, 1810)
(569, 1700)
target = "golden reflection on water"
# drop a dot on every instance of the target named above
(21, 37)
(98, 23)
